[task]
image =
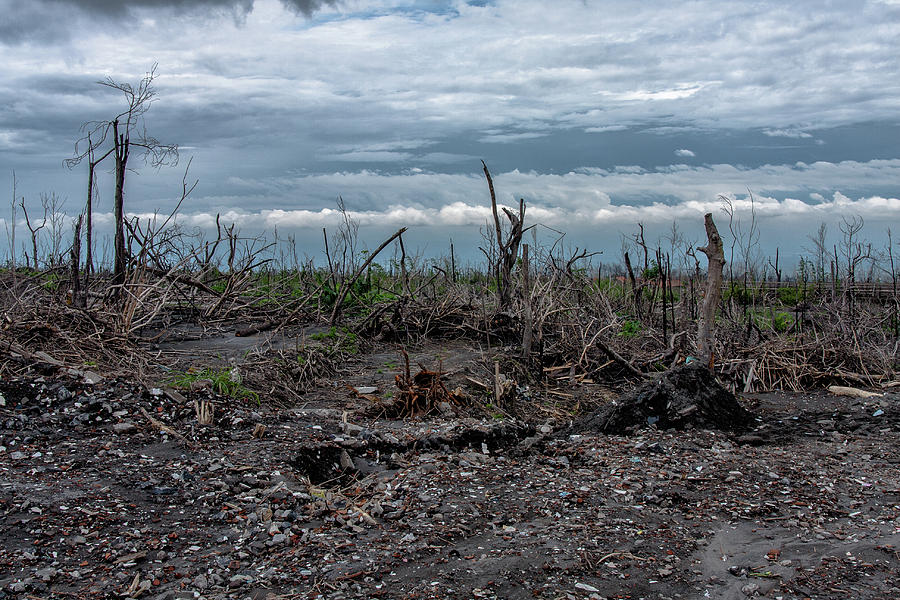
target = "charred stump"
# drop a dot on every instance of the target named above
(685, 397)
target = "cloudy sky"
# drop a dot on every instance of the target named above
(600, 114)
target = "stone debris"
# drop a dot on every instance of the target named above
(95, 503)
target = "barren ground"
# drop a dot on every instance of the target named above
(333, 501)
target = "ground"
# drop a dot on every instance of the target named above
(332, 500)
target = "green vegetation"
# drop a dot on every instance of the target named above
(339, 339)
(220, 381)
(630, 329)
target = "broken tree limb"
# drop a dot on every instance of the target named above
(166, 429)
(277, 325)
(345, 287)
(840, 390)
(619, 359)
(715, 253)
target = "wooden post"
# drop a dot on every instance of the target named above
(715, 253)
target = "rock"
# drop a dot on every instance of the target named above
(92, 378)
(200, 582)
(351, 429)
(238, 580)
(346, 461)
(124, 427)
(530, 441)
(751, 589)
(586, 588)
(17, 455)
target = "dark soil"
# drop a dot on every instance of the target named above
(803, 501)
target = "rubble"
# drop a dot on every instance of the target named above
(330, 503)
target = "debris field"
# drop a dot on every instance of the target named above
(113, 489)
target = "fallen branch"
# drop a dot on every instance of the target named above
(620, 360)
(345, 286)
(166, 429)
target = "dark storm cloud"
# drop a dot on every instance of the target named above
(117, 7)
(308, 7)
(48, 21)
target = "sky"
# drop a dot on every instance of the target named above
(600, 114)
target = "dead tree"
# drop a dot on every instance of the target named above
(93, 160)
(508, 249)
(75, 253)
(34, 229)
(118, 136)
(11, 227)
(715, 253)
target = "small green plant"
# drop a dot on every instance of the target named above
(339, 339)
(221, 382)
(782, 321)
(741, 294)
(653, 271)
(792, 296)
(630, 329)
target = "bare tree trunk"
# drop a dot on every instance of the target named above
(403, 274)
(77, 297)
(663, 274)
(715, 253)
(631, 277)
(120, 264)
(12, 229)
(452, 263)
(89, 210)
(89, 213)
(508, 251)
(526, 298)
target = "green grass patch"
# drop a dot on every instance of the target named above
(630, 329)
(339, 339)
(221, 382)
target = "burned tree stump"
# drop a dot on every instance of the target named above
(684, 397)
